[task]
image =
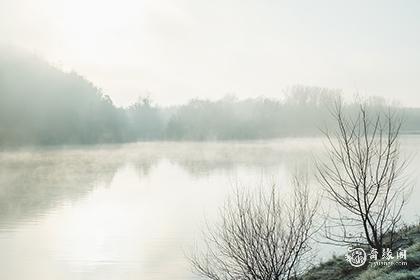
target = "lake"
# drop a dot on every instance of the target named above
(135, 211)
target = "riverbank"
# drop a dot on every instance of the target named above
(339, 268)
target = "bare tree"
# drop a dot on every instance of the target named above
(363, 176)
(260, 237)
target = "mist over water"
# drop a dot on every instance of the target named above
(134, 211)
(148, 139)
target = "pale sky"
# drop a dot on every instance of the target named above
(174, 50)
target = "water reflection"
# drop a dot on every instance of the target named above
(33, 182)
(127, 211)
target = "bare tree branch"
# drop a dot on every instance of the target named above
(260, 236)
(362, 175)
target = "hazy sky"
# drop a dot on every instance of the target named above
(175, 50)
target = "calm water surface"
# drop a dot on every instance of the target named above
(133, 211)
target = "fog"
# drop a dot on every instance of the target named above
(42, 105)
(179, 50)
(133, 211)
(126, 128)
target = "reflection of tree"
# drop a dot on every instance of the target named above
(33, 182)
(202, 159)
(144, 165)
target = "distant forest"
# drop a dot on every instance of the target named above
(42, 105)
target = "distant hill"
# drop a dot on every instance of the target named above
(40, 104)
(43, 105)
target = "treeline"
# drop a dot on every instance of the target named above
(42, 105)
